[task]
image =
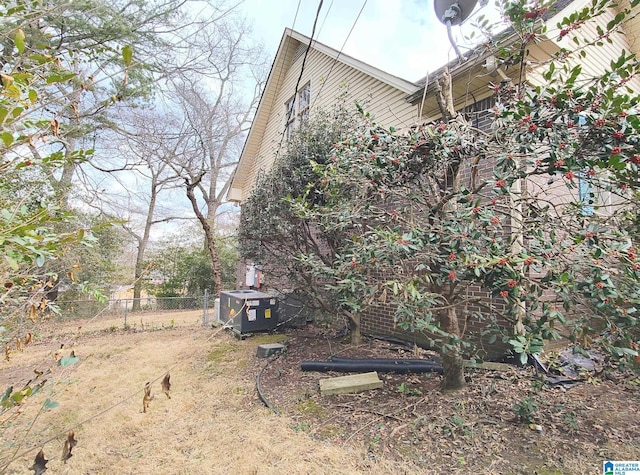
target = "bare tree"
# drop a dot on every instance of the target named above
(139, 177)
(217, 102)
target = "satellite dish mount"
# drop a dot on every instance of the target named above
(453, 12)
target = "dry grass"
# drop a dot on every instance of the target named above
(213, 423)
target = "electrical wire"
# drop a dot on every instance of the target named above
(261, 395)
(306, 53)
(293, 27)
(453, 42)
(335, 60)
(304, 60)
(325, 18)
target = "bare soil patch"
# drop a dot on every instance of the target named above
(215, 423)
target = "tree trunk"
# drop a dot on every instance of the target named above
(137, 282)
(209, 236)
(355, 329)
(452, 363)
(142, 246)
(453, 372)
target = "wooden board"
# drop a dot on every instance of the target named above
(350, 384)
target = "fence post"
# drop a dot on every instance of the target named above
(126, 305)
(205, 306)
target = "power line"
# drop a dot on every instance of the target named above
(293, 26)
(304, 61)
(306, 53)
(335, 60)
(325, 18)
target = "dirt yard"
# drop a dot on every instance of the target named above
(215, 423)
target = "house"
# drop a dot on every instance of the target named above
(400, 103)
(292, 93)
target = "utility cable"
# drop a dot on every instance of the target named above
(304, 60)
(335, 60)
(325, 18)
(306, 53)
(261, 395)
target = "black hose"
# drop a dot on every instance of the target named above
(363, 366)
(259, 386)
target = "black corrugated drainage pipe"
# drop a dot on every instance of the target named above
(338, 359)
(363, 366)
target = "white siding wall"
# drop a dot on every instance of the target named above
(597, 57)
(385, 102)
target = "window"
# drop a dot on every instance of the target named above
(585, 194)
(297, 109)
(291, 116)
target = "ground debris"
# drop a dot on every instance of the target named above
(503, 419)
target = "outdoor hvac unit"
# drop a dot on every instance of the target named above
(248, 311)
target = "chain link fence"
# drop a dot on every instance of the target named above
(144, 312)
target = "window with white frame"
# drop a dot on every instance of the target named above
(297, 109)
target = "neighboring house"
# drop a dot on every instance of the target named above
(397, 102)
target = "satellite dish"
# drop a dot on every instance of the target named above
(453, 12)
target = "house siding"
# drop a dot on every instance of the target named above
(385, 102)
(597, 58)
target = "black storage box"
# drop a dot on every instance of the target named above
(248, 310)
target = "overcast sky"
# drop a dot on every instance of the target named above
(401, 37)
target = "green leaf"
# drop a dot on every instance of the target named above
(61, 77)
(627, 351)
(68, 361)
(127, 55)
(18, 397)
(18, 39)
(6, 394)
(12, 262)
(33, 95)
(7, 138)
(523, 358)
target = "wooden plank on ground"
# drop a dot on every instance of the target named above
(350, 384)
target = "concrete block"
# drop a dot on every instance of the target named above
(267, 349)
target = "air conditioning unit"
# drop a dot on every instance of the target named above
(248, 311)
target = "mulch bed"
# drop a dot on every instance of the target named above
(506, 421)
